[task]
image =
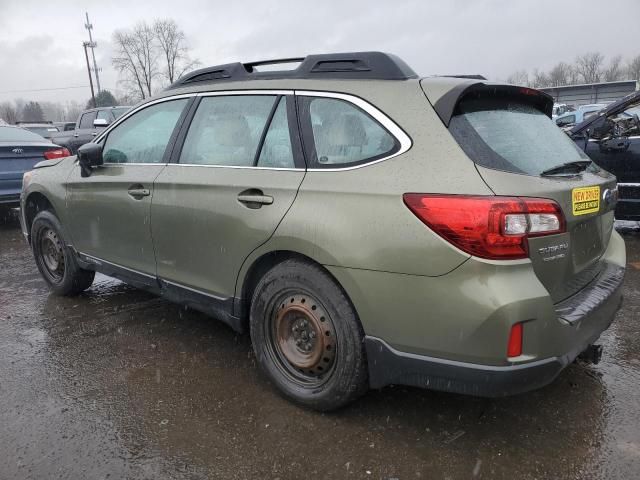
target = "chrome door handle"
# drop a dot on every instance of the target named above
(76, 135)
(261, 199)
(254, 198)
(138, 193)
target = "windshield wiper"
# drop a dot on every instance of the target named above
(569, 167)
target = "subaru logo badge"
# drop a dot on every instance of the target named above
(18, 151)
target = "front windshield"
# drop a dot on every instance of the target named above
(506, 134)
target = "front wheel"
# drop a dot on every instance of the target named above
(307, 337)
(55, 260)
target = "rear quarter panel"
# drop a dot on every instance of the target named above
(357, 218)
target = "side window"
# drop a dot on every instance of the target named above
(104, 115)
(143, 137)
(86, 121)
(276, 150)
(344, 134)
(226, 130)
(568, 120)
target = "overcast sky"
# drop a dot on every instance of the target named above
(41, 41)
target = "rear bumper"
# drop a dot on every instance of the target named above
(584, 317)
(451, 332)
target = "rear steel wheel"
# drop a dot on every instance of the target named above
(302, 338)
(307, 336)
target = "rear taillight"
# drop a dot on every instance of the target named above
(514, 346)
(490, 227)
(56, 153)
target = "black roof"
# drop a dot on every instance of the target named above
(353, 65)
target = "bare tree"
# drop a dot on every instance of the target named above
(137, 58)
(560, 75)
(173, 47)
(52, 111)
(540, 79)
(72, 111)
(589, 67)
(8, 112)
(521, 77)
(633, 68)
(32, 112)
(574, 75)
(614, 71)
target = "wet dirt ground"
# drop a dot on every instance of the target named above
(119, 384)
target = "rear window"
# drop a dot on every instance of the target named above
(511, 135)
(42, 130)
(13, 134)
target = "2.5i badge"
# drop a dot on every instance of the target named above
(585, 200)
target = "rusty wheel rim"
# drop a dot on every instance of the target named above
(52, 254)
(303, 338)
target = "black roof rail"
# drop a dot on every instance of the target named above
(470, 77)
(355, 65)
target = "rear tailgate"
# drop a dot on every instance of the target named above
(506, 131)
(567, 262)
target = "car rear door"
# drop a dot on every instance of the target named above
(109, 211)
(235, 172)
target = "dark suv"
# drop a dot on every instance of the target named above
(89, 124)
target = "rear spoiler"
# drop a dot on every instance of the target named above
(446, 105)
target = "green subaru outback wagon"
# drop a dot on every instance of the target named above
(365, 225)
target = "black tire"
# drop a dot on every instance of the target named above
(297, 313)
(55, 260)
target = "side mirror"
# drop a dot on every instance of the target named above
(89, 156)
(100, 123)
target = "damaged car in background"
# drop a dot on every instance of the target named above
(612, 140)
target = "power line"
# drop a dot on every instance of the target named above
(44, 89)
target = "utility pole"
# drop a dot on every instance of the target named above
(92, 45)
(86, 56)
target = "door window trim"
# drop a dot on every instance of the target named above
(180, 133)
(172, 138)
(126, 115)
(377, 114)
(288, 95)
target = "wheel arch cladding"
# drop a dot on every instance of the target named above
(260, 266)
(35, 203)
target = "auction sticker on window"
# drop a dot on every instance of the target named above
(585, 200)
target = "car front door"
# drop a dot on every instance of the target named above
(83, 134)
(110, 209)
(229, 185)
